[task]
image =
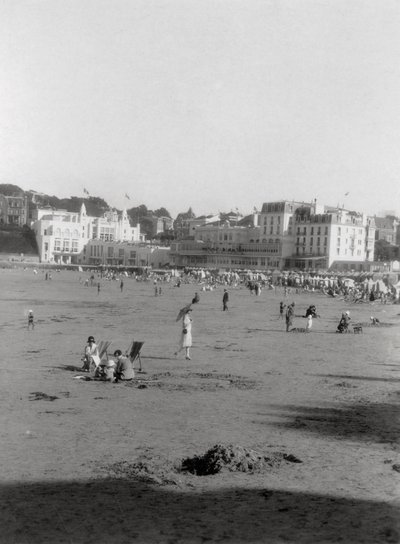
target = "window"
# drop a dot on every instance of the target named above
(325, 241)
(318, 241)
(326, 230)
(75, 246)
(338, 241)
(110, 252)
(46, 246)
(319, 230)
(65, 244)
(312, 231)
(311, 241)
(57, 244)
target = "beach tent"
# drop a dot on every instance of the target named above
(380, 286)
(348, 282)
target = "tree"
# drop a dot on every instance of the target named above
(385, 251)
(162, 212)
(137, 214)
(8, 189)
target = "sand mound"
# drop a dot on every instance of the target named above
(156, 469)
(235, 459)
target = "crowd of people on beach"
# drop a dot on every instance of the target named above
(121, 368)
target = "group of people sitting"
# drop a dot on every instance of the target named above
(112, 370)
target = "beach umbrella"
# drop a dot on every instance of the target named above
(182, 311)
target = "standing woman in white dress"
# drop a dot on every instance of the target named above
(186, 336)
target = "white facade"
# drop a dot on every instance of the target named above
(337, 236)
(62, 236)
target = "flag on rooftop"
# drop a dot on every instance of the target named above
(127, 196)
(345, 194)
(86, 192)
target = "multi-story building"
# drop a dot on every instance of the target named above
(284, 235)
(129, 254)
(386, 229)
(159, 224)
(62, 236)
(337, 238)
(186, 228)
(220, 245)
(13, 210)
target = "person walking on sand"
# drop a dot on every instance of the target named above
(309, 323)
(31, 322)
(225, 299)
(282, 306)
(98, 288)
(186, 336)
(289, 316)
(121, 285)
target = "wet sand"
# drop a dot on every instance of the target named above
(332, 401)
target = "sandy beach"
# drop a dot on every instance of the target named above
(69, 464)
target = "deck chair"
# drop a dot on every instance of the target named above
(103, 346)
(133, 352)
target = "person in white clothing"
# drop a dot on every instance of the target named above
(91, 355)
(186, 336)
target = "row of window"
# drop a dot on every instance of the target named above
(65, 246)
(272, 219)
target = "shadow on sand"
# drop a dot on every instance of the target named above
(349, 377)
(378, 422)
(109, 511)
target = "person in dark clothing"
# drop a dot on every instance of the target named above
(311, 310)
(282, 306)
(344, 323)
(195, 299)
(225, 299)
(289, 316)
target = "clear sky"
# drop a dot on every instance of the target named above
(211, 104)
